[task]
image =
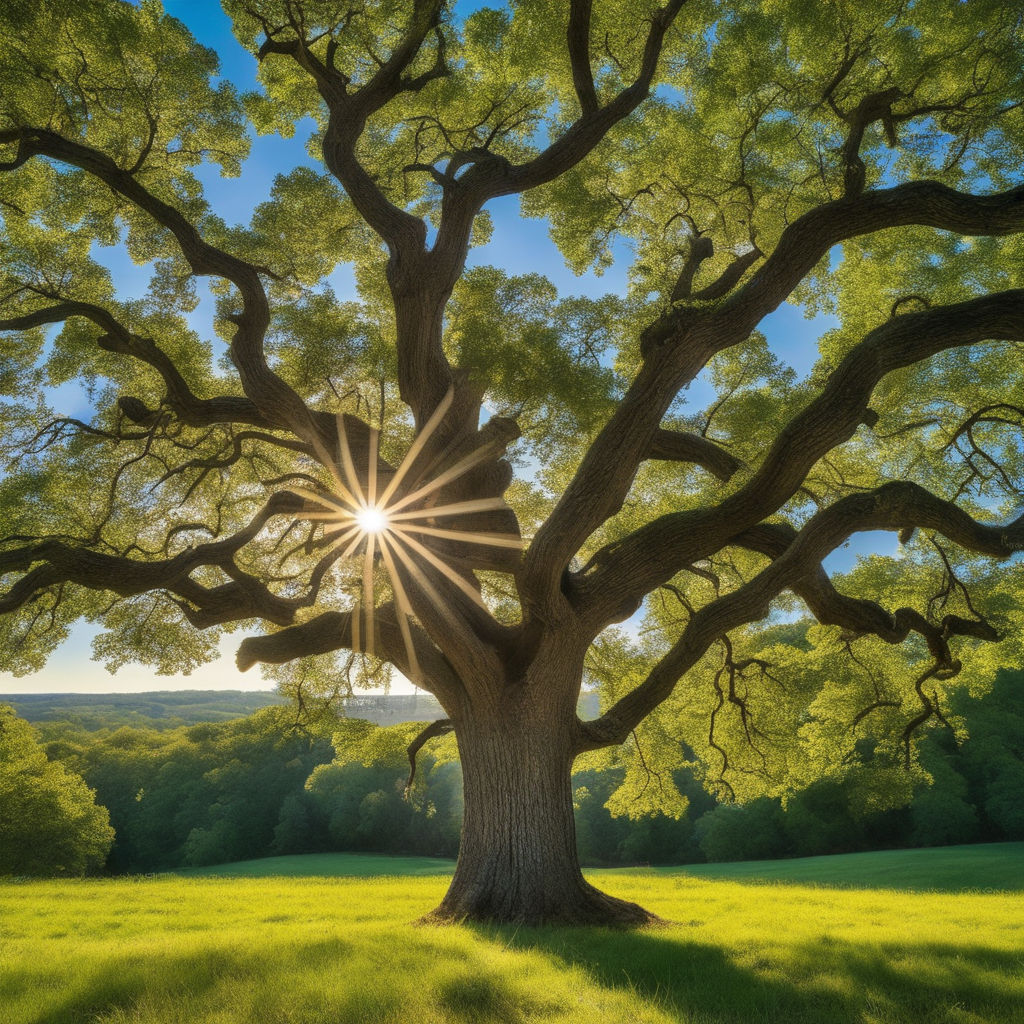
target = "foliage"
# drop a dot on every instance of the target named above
(50, 823)
(202, 794)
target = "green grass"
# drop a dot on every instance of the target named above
(353, 865)
(340, 950)
(986, 867)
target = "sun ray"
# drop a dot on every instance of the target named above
(417, 446)
(383, 520)
(498, 540)
(429, 556)
(325, 499)
(371, 468)
(457, 508)
(328, 460)
(341, 536)
(405, 613)
(420, 578)
(351, 549)
(368, 589)
(346, 462)
(464, 465)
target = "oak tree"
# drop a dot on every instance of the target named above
(861, 160)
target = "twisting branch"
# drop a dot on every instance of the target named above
(57, 562)
(490, 176)
(894, 506)
(874, 107)
(441, 727)
(350, 108)
(189, 408)
(275, 400)
(680, 446)
(809, 237)
(652, 554)
(606, 472)
(332, 631)
(486, 175)
(861, 617)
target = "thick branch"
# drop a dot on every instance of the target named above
(859, 616)
(894, 506)
(578, 44)
(332, 631)
(807, 239)
(488, 175)
(65, 563)
(606, 474)
(276, 401)
(679, 446)
(622, 575)
(117, 338)
(729, 277)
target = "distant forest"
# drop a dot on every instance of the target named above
(168, 709)
(150, 782)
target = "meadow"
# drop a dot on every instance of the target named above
(930, 936)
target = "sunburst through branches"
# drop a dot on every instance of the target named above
(387, 521)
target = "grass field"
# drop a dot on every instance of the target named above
(352, 865)
(294, 948)
(984, 867)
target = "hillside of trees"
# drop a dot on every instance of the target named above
(168, 709)
(83, 795)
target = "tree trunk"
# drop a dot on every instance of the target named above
(517, 858)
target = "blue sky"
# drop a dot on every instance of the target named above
(518, 245)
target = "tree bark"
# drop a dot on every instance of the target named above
(517, 858)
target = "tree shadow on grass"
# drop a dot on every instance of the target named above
(463, 982)
(121, 982)
(826, 982)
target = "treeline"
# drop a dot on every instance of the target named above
(257, 786)
(252, 787)
(157, 709)
(169, 709)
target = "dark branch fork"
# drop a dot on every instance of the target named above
(621, 577)
(681, 342)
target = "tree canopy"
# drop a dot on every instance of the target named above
(858, 159)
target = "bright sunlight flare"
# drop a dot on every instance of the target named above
(371, 519)
(386, 525)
